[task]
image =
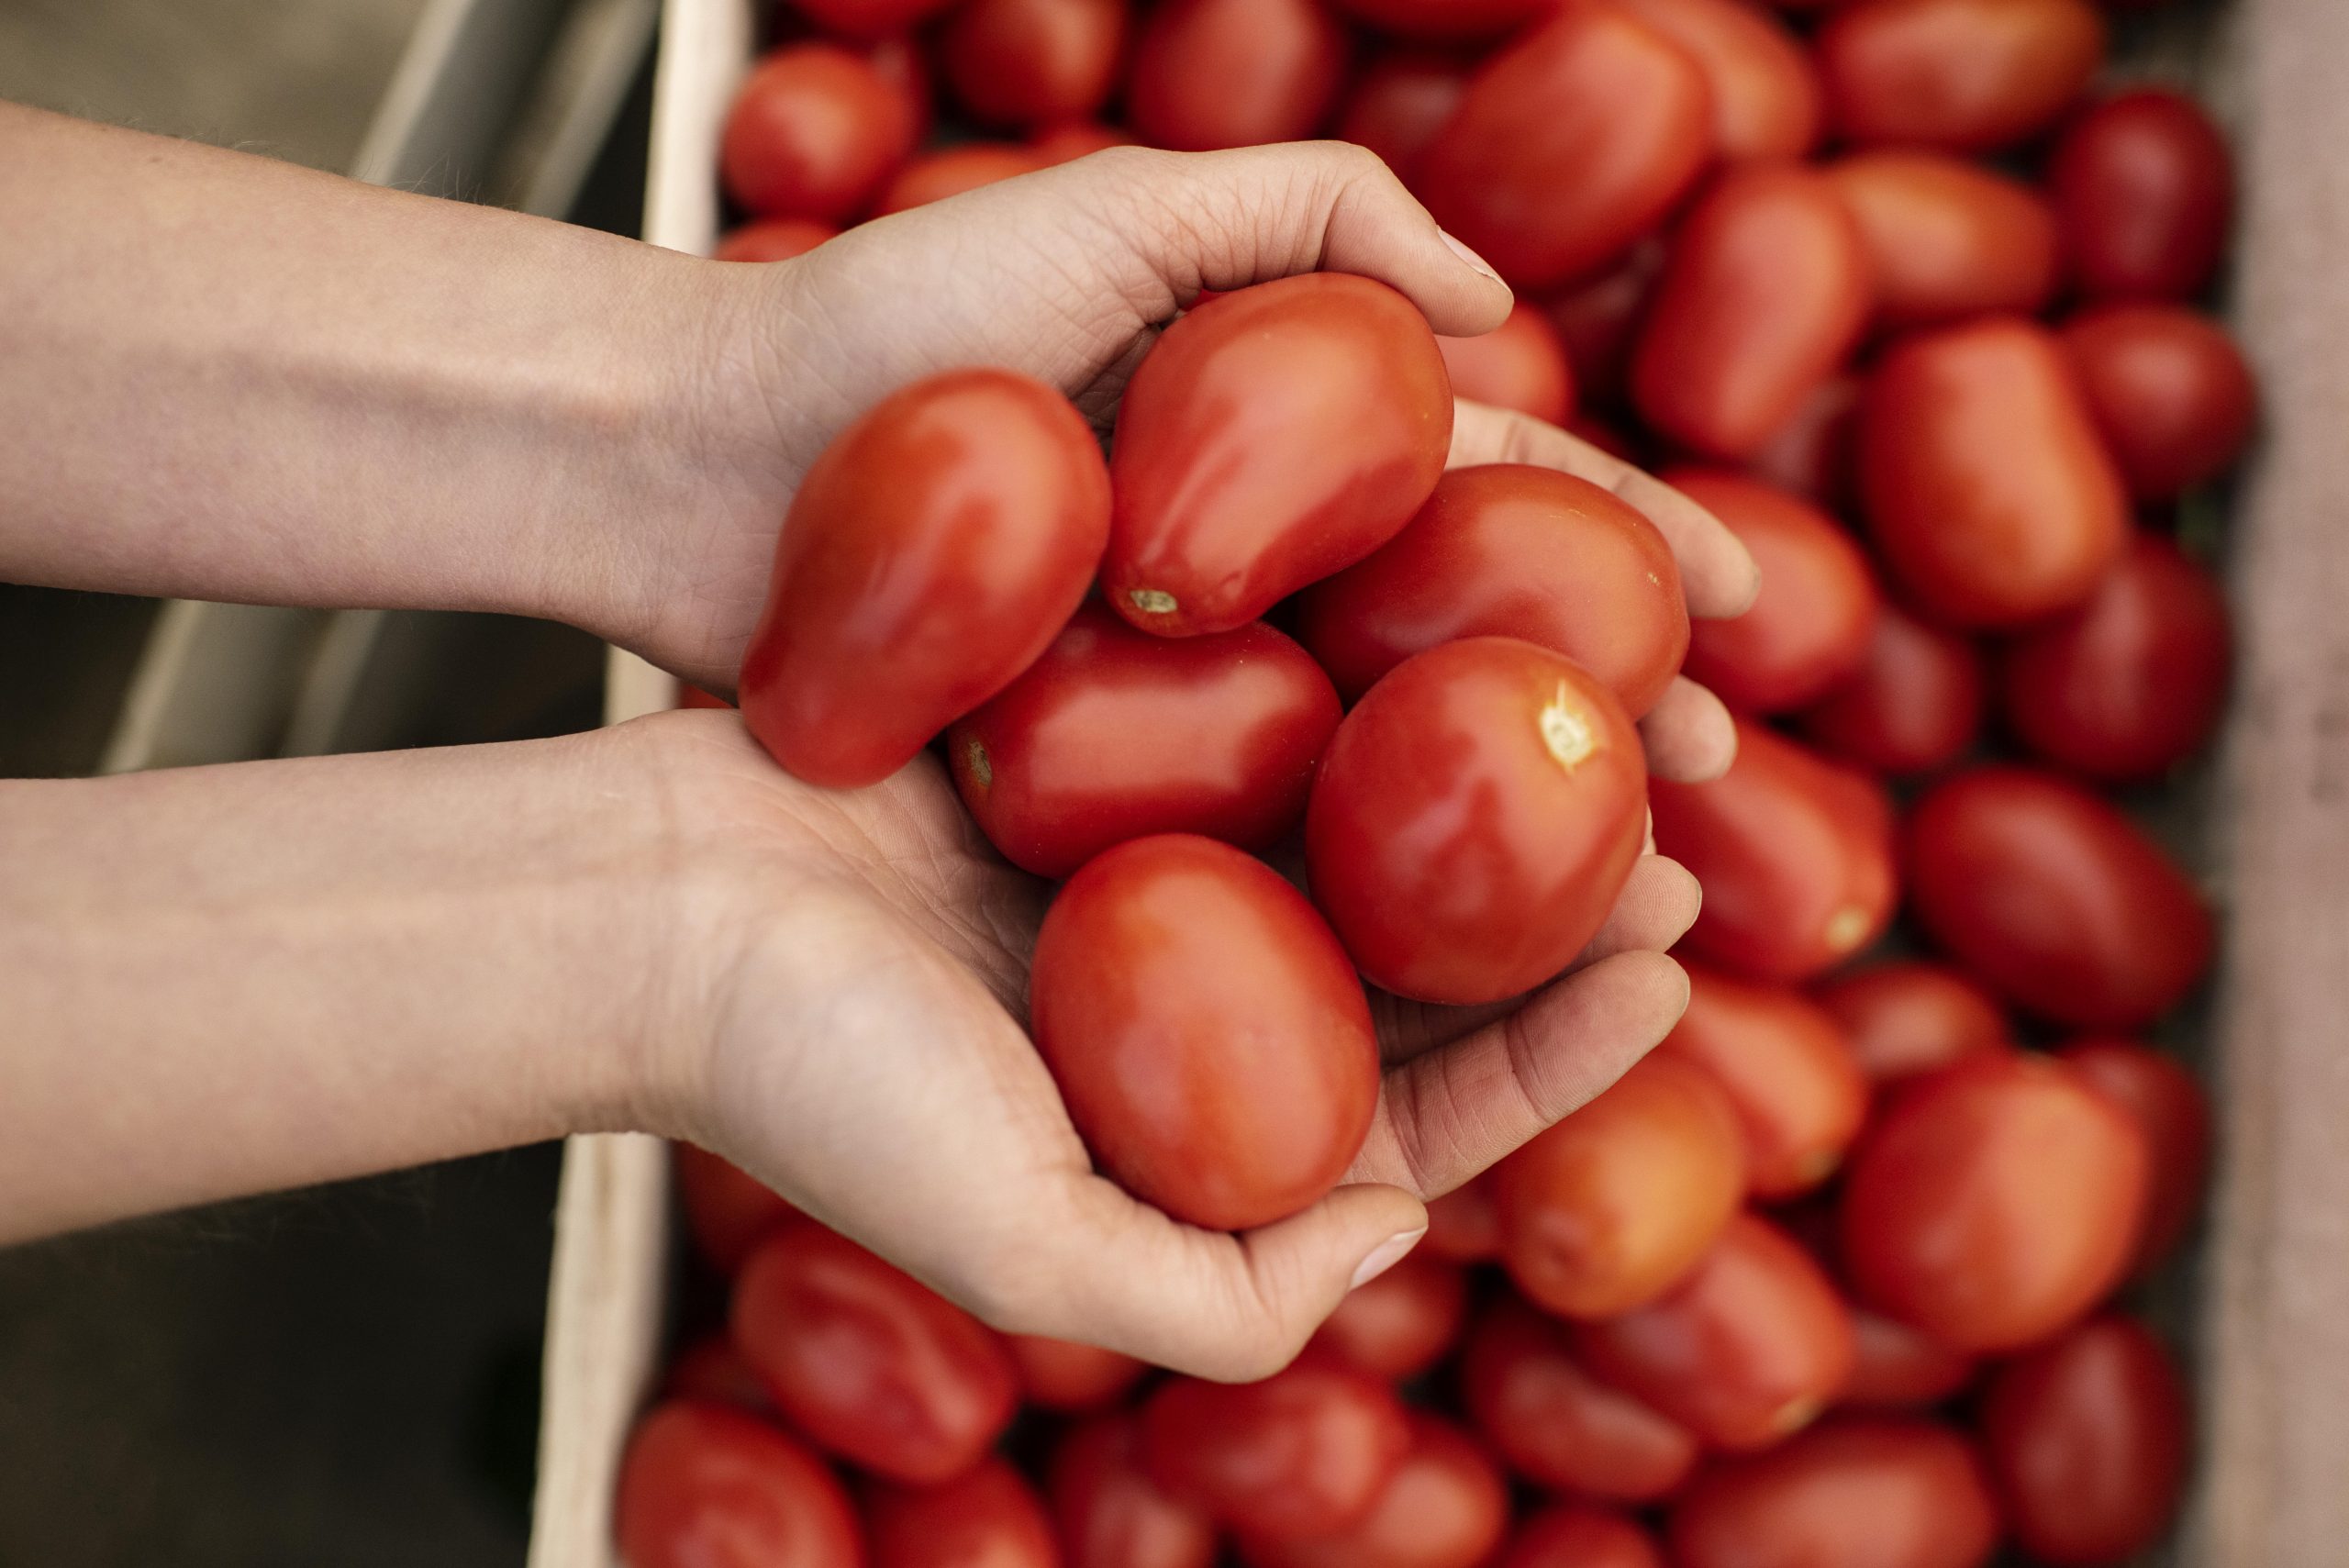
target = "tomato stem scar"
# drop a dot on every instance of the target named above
(1847, 928)
(982, 770)
(1152, 601)
(1566, 731)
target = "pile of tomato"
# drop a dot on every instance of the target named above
(1838, 1277)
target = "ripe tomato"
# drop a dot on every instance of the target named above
(1066, 143)
(1810, 627)
(1993, 1202)
(1509, 549)
(1305, 1452)
(1764, 297)
(1572, 141)
(710, 1371)
(988, 1517)
(2055, 898)
(1964, 75)
(1273, 435)
(1556, 1425)
(1948, 239)
(950, 171)
(1794, 854)
(727, 1210)
(867, 1360)
(1399, 103)
(1111, 1514)
(813, 133)
(2132, 683)
(704, 1486)
(1913, 706)
(1114, 734)
(1765, 95)
(1810, 454)
(1230, 1106)
(772, 240)
(2144, 191)
(1475, 819)
(869, 18)
(1907, 1017)
(1789, 1071)
(1600, 322)
(2168, 389)
(1211, 74)
(1744, 1352)
(1061, 1375)
(1401, 1323)
(1575, 1535)
(1032, 62)
(1852, 1494)
(1986, 484)
(1446, 1506)
(2088, 1438)
(932, 553)
(2173, 1112)
(1443, 18)
(1521, 364)
(1463, 1224)
(1896, 1367)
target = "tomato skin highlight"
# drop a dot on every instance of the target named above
(2168, 389)
(1108, 1511)
(1474, 820)
(1913, 704)
(1400, 1324)
(1230, 499)
(1059, 1374)
(1555, 1424)
(813, 133)
(1215, 73)
(1789, 1071)
(706, 1486)
(1948, 239)
(1305, 1452)
(1445, 1507)
(1575, 1535)
(1961, 75)
(2144, 190)
(987, 1517)
(2169, 1105)
(1765, 96)
(1876, 1493)
(1033, 63)
(1907, 1017)
(1521, 364)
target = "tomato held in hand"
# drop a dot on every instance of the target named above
(1399, 103)
(1273, 435)
(1572, 142)
(1305, 1452)
(1510, 549)
(2169, 390)
(1443, 18)
(1521, 364)
(704, 1486)
(1213, 73)
(1963, 75)
(769, 239)
(1914, 705)
(2170, 1108)
(1907, 1017)
(932, 553)
(1399, 1324)
(1810, 625)
(1948, 239)
(1061, 1375)
(2144, 190)
(988, 1517)
(813, 133)
(2055, 899)
(1446, 1506)
(727, 1210)
(1228, 1104)
(1986, 484)
(1111, 1514)
(1896, 1367)
(1575, 1535)
(950, 171)
(1789, 1071)
(1556, 1425)
(1032, 62)
(1765, 95)
(1852, 1494)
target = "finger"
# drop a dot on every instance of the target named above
(1690, 737)
(1658, 905)
(1717, 572)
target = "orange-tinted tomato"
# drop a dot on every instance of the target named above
(1111, 1514)
(1443, 19)
(1065, 143)
(1765, 292)
(1907, 1017)
(1556, 1425)
(813, 133)
(1570, 143)
(1445, 1507)
(727, 1210)
(1061, 1375)
(1228, 1105)
(2144, 190)
(1811, 453)
(1509, 549)
(1852, 1494)
(1521, 364)
(932, 553)
(772, 240)
(1993, 1202)
(2173, 1112)
(704, 1486)
(2055, 898)
(1305, 1452)
(1210, 73)
(713, 1372)
(987, 1517)
(1986, 487)
(1400, 102)
(2169, 390)
(1949, 238)
(1032, 62)
(1765, 95)
(1575, 1535)
(868, 18)
(1463, 1224)
(950, 171)
(1965, 75)
(1810, 627)
(1400, 1324)
(1914, 705)
(1600, 322)
(1789, 1071)
(1273, 435)
(1896, 1367)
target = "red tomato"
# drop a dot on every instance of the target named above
(1744, 1352)
(1064, 144)
(1510, 549)
(813, 133)
(1913, 706)
(868, 18)
(1600, 322)
(1400, 102)
(1114, 734)
(932, 553)
(2144, 190)
(1765, 293)
(1810, 627)
(774, 239)
(1571, 142)
(1987, 486)
(1210, 73)
(1522, 364)
(1574, 1534)
(1907, 1017)
(2168, 389)
(1765, 93)
(1061, 1375)
(1896, 1367)
(704, 1486)
(710, 1371)
(1463, 1224)
(2055, 899)
(1400, 1324)
(1475, 819)
(950, 171)
(1032, 62)
(727, 1210)
(1852, 1494)
(1305, 1452)
(1443, 19)
(2173, 1112)
(1273, 435)
(1788, 1072)
(1794, 854)
(1111, 1514)
(1556, 1425)
(1811, 454)
(2134, 680)
(694, 696)
(1993, 1202)
(1445, 1507)
(1967, 75)
(867, 1360)
(2089, 1438)
(1948, 239)
(988, 1517)
(1228, 1105)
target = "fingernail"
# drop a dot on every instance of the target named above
(1468, 256)
(1385, 1255)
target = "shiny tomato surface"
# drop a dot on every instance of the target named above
(1061, 1375)
(1863, 1493)
(988, 1517)
(1399, 101)
(1400, 1324)
(1305, 1452)
(813, 133)
(706, 1486)
(1914, 703)
(1789, 1071)
(2172, 1110)
(772, 240)
(2170, 392)
(1521, 364)
(1108, 1511)
(1910, 1016)
(1445, 1507)
(1810, 627)
(727, 1210)
(1963, 75)
(1765, 95)
(1575, 1535)
(1948, 238)
(1896, 1367)
(1557, 1426)
(2144, 189)
(1032, 62)
(950, 171)
(1212, 73)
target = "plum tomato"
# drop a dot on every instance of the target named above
(1399, 101)
(2144, 192)
(1744, 1352)
(813, 133)
(2168, 389)
(2088, 1438)
(1810, 625)
(1572, 141)
(1079, 138)
(1557, 1426)
(1304, 1452)
(1510, 549)
(1765, 293)
(1214, 73)
(1401, 1323)
(1961, 75)
(1475, 819)
(2169, 1105)
(711, 1371)
(706, 1486)
(1575, 1535)
(1521, 364)
(932, 551)
(727, 1210)
(1851, 1493)
(950, 171)
(1949, 238)
(1228, 1105)
(1600, 322)
(1032, 62)
(1913, 706)
(1273, 435)
(1795, 854)
(1993, 1202)
(1788, 1072)
(988, 1517)
(1463, 1226)
(1811, 454)
(1443, 19)
(1446, 1506)
(1061, 1375)
(1910, 1016)
(869, 18)
(868, 1362)
(1985, 483)
(1111, 1514)
(1765, 95)
(2055, 899)
(1896, 1367)
(774, 239)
